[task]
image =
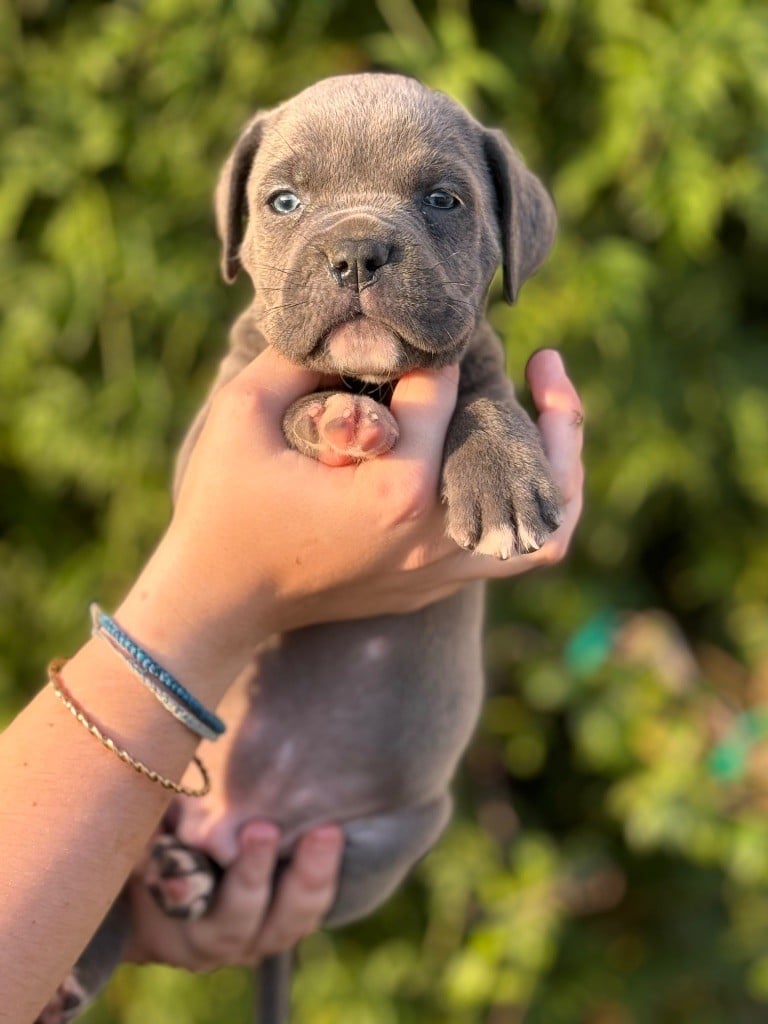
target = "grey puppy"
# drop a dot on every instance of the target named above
(371, 213)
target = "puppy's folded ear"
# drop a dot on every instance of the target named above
(524, 209)
(230, 198)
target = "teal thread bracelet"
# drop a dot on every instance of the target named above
(166, 698)
(168, 690)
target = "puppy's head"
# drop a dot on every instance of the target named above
(370, 213)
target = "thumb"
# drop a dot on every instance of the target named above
(423, 404)
(274, 381)
(551, 389)
(262, 392)
(560, 418)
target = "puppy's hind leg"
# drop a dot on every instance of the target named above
(273, 981)
(67, 1002)
(93, 970)
(379, 852)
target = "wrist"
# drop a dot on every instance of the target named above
(198, 630)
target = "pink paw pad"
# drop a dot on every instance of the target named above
(181, 880)
(343, 428)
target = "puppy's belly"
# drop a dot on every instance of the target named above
(297, 798)
(352, 720)
(305, 775)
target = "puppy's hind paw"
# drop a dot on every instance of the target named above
(338, 428)
(67, 1002)
(181, 880)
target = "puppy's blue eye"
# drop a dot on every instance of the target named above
(285, 202)
(439, 199)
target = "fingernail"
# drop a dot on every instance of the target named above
(259, 834)
(325, 839)
(552, 351)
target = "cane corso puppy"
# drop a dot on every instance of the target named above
(370, 214)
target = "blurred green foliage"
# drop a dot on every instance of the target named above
(609, 859)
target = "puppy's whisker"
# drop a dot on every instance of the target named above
(280, 270)
(285, 141)
(284, 305)
(310, 244)
(439, 263)
(454, 303)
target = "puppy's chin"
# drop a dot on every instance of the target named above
(364, 349)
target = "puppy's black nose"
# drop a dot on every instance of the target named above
(355, 261)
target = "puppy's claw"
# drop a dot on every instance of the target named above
(499, 543)
(527, 541)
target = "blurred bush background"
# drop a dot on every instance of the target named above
(609, 858)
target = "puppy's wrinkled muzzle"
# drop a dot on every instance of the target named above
(365, 349)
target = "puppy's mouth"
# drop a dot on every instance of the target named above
(364, 350)
(381, 393)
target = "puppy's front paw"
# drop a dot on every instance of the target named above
(339, 428)
(497, 484)
(182, 880)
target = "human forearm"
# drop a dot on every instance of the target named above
(262, 540)
(83, 815)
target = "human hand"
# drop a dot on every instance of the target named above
(436, 567)
(560, 421)
(264, 540)
(245, 923)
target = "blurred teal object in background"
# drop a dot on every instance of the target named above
(589, 647)
(728, 760)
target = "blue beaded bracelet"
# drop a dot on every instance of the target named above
(174, 697)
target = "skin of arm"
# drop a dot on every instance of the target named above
(239, 559)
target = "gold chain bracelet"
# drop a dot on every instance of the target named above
(69, 702)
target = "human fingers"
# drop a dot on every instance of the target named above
(305, 893)
(561, 418)
(157, 938)
(225, 936)
(423, 403)
(262, 392)
(403, 484)
(560, 421)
